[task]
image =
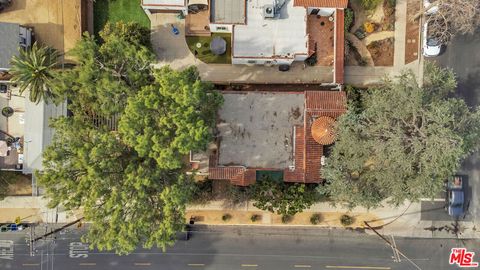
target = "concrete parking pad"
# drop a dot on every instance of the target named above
(256, 129)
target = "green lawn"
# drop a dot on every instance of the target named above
(204, 54)
(118, 10)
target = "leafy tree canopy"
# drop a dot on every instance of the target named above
(121, 188)
(132, 32)
(171, 117)
(128, 199)
(284, 199)
(404, 143)
(105, 75)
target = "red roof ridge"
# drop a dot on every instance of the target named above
(321, 3)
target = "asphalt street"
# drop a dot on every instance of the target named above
(463, 56)
(238, 248)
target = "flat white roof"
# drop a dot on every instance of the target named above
(284, 35)
(38, 133)
(164, 2)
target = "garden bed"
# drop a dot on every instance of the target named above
(118, 10)
(382, 52)
(373, 30)
(412, 41)
(204, 54)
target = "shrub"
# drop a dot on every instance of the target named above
(362, 62)
(255, 218)
(369, 27)
(348, 19)
(370, 4)
(346, 220)
(226, 217)
(315, 219)
(312, 60)
(392, 3)
(282, 198)
(287, 219)
(202, 192)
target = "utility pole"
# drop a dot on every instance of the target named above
(394, 247)
(32, 243)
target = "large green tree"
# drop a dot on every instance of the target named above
(129, 199)
(105, 75)
(174, 115)
(33, 70)
(404, 142)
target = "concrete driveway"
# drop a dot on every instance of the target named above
(463, 57)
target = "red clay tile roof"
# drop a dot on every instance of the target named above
(224, 173)
(317, 103)
(308, 152)
(325, 101)
(321, 3)
(297, 175)
(239, 176)
(339, 46)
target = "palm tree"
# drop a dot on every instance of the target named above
(33, 69)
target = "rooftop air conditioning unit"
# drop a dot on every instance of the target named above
(268, 11)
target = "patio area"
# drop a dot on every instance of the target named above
(197, 24)
(321, 32)
(200, 48)
(12, 127)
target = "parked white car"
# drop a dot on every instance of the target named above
(431, 46)
(429, 7)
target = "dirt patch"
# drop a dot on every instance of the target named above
(412, 41)
(382, 52)
(55, 23)
(241, 217)
(388, 21)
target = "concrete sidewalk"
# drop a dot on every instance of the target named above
(402, 221)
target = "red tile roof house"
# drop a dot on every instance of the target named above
(273, 132)
(265, 32)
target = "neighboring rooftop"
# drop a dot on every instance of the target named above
(256, 129)
(56, 23)
(9, 43)
(228, 11)
(282, 36)
(178, 3)
(322, 3)
(38, 133)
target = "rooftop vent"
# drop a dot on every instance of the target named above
(268, 11)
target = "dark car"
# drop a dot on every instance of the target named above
(455, 197)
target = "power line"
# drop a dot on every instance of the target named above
(394, 247)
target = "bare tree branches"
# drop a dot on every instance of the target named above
(451, 18)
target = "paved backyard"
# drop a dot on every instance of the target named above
(55, 23)
(173, 50)
(256, 129)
